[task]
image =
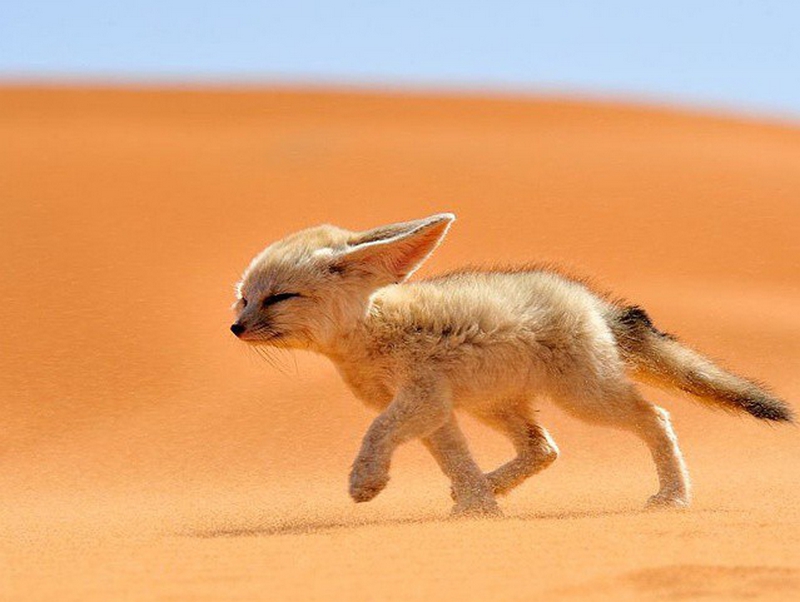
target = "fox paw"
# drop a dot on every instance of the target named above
(366, 484)
(667, 500)
(476, 509)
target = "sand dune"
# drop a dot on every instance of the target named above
(147, 455)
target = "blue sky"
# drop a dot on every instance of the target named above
(739, 55)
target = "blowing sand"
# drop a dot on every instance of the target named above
(146, 454)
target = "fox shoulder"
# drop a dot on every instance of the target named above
(460, 309)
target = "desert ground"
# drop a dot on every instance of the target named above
(148, 455)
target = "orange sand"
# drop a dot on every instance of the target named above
(146, 454)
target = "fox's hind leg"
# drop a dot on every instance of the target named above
(625, 409)
(536, 450)
(471, 490)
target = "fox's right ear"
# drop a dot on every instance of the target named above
(395, 251)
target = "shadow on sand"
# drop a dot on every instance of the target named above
(312, 526)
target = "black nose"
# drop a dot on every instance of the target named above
(237, 329)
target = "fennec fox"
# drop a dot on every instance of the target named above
(485, 342)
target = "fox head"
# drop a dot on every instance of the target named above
(313, 286)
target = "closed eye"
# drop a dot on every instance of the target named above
(273, 299)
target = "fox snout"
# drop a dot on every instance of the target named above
(238, 329)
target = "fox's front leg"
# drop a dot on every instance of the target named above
(471, 489)
(418, 409)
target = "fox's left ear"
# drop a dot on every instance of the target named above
(397, 250)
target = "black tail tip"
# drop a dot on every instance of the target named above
(773, 410)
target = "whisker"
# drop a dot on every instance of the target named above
(270, 359)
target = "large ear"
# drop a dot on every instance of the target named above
(397, 250)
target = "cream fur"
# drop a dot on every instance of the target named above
(490, 343)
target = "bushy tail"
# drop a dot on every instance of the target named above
(658, 358)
